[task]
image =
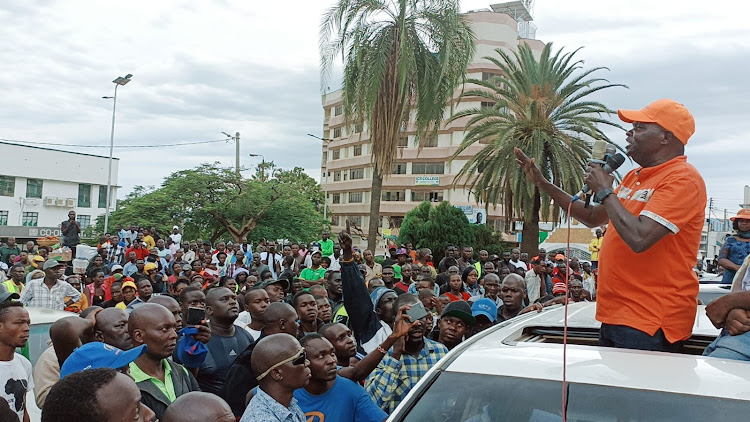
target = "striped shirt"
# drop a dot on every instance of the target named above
(37, 294)
(392, 380)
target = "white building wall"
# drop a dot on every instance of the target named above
(61, 173)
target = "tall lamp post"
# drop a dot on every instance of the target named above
(325, 188)
(262, 166)
(120, 80)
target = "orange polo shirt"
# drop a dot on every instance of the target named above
(656, 288)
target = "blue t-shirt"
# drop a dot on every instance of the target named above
(346, 401)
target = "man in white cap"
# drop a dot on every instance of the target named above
(176, 236)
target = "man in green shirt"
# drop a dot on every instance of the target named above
(12, 249)
(314, 274)
(326, 245)
(160, 379)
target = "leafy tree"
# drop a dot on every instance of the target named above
(211, 201)
(399, 55)
(444, 225)
(543, 107)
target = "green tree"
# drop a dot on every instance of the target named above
(544, 107)
(444, 225)
(398, 55)
(211, 201)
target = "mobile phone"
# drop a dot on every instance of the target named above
(416, 312)
(195, 316)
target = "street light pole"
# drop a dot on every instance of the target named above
(262, 166)
(118, 81)
(325, 178)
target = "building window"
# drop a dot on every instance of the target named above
(338, 110)
(487, 104)
(3, 218)
(336, 198)
(325, 156)
(421, 196)
(30, 219)
(430, 141)
(396, 222)
(357, 174)
(337, 132)
(403, 142)
(399, 168)
(486, 76)
(428, 168)
(358, 128)
(357, 150)
(84, 221)
(7, 186)
(34, 188)
(356, 220)
(334, 220)
(84, 196)
(355, 197)
(398, 195)
(336, 176)
(102, 197)
(336, 154)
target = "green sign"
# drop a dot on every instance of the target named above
(427, 181)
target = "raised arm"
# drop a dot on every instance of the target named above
(592, 216)
(362, 318)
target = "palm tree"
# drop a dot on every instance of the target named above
(399, 56)
(543, 107)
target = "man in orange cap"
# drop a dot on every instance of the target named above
(655, 220)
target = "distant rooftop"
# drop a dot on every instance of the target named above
(56, 150)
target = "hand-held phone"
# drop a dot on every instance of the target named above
(195, 316)
(416, 312)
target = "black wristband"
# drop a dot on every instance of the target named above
(602, 194)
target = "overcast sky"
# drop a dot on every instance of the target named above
(201, 68)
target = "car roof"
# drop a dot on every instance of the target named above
(45, 315)
(497, 353)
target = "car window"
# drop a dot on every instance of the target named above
(483, 398)
(38, 341)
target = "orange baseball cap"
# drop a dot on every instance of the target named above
(666, 113)
(743, 214)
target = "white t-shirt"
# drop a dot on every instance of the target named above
(243, 320)
(15, 381)
(176, 238)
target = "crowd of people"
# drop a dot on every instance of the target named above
(294, 329)
(189, 330)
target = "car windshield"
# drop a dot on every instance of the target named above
(482, 398)
(38, 341)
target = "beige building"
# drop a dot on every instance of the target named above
(418, 176)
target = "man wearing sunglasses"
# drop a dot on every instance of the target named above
(282, 366)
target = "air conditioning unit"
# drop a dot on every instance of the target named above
(70, 202)
(49, 201)
(60, 202)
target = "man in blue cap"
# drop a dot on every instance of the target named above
(484, 312)
(100, 355)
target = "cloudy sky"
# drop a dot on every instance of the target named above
(201, 68)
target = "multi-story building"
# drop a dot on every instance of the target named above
(39, 186)
(425, 175)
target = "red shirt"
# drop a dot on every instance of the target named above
(140, 253)
(656, 288)
(464, 296)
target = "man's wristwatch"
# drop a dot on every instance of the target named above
(599, 197)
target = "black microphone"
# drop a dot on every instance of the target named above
(612, 163)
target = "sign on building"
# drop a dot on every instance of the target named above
(427, 181)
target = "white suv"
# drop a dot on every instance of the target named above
(513, 372)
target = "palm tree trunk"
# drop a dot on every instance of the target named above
(530, 233)
(374, 224)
